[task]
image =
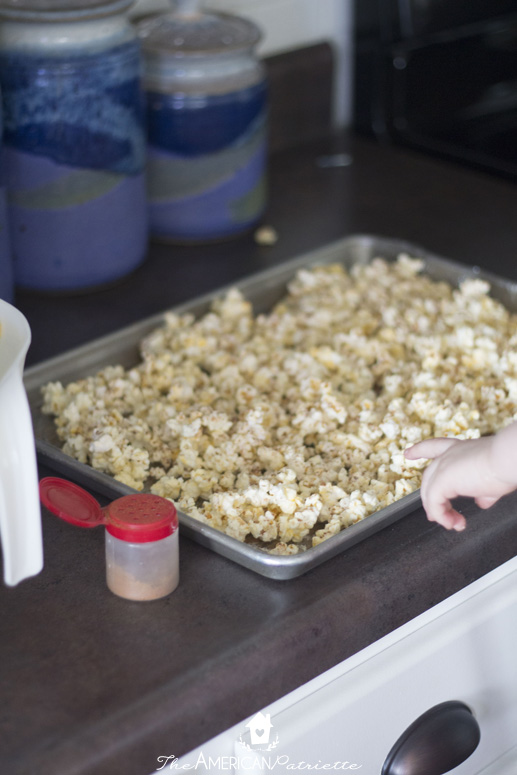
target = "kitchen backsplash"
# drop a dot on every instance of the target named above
(300, 95)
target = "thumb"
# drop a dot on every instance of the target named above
(430, 448)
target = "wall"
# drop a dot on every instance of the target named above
(289, 24)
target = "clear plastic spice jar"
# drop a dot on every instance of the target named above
(74, 138)
(206, 101)
(142, 547)
(142, 552)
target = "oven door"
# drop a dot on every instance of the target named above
(456, 94)
(440, 77)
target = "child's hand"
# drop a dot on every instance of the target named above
(466, 468)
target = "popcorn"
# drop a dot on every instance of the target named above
(283, 429)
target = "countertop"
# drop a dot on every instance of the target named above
(91, 684)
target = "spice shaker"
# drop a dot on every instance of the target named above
(142, 554)
(74, 139)
(206, 100)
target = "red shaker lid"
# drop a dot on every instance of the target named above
(70, 502)
(141, 518)
(137, 518)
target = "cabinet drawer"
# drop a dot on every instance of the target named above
(463, 649)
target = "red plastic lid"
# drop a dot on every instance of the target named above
(141, 518)
(134, 518)
(70, 502)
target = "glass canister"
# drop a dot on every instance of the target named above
(74, 139)
(207, 123)
(6, 266)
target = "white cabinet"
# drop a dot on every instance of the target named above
(463, 649)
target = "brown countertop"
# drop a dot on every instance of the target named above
(94, 685)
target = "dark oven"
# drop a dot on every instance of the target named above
(440, 76)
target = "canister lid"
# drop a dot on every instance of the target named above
(204, 33)
(137, 518)
(61, 10)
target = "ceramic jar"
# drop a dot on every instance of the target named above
(74, 141)
(206, 120)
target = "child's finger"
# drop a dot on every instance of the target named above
(446, 516)
(485, 501)
(430, 448)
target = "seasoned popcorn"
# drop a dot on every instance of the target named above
(284, 428)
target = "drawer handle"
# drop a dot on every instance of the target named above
(439, 740)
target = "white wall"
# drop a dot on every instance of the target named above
(290, 24)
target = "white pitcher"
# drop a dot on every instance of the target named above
(20, 512)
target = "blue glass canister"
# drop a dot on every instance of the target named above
(6, 266)
(206, 100)
(74, 142)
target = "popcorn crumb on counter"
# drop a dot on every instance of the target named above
(266, 236)
(285, 428)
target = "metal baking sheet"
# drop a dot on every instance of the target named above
(263, 289)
